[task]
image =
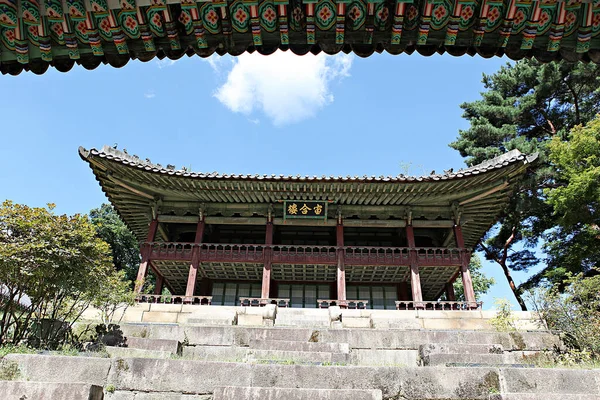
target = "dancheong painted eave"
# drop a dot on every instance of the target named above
(136, 187)
(36, 34)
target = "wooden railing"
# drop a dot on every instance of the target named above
(253, 253)
(170, 250)
(438, 305)
(173, 299)
(439, 256)
(293, 254)
(284, 254)
(369, 255)
(258, 302)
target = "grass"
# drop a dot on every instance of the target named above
(561, 360)
(12, 349)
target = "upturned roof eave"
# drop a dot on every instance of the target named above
(113, 155)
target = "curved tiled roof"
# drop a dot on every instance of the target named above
(135, 187)
(124, 158)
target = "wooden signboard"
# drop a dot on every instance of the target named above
(304, 209)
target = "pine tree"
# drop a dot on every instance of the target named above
(524, 106)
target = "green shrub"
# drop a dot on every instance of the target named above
(574, 313)
(504, 321)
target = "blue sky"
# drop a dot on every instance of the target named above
(281, 114)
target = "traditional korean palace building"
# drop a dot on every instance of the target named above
(376, 242)
(36, 34)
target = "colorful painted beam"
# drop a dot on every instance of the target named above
(36, 34)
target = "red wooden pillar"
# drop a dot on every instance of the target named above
(191, 283)
(266, 276)
(464, 269)
(450, 296)
(415, 279)
(145, 252)
(341, 269)
(159, 284)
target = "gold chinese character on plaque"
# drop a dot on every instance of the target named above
(318, 209)
(293, 209)
(305, 209)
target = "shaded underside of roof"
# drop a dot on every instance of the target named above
(36, 35)
(432, 279)
(479, 193)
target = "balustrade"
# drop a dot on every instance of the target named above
(369, 255)
(232, 252)
(438, 305)
(174, 299)
(170, 250)
(435, 256)
(293, 254)
(258, 302)
(351, 304)
(304, 254)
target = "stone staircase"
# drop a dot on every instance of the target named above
(198, 362)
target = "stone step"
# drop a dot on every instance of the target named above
(266, 393)
(215, 353)
(210, 321)
(129, 395)
(356, 338)
(127, 352)
(454, 359)
(302, 320)
(60, 369)
(298, 357)
(171, 346)
(293, 345)
(20, 390)
(384, 357)
(543, 396)
(453, 348)
(202, 377)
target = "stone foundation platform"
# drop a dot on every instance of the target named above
(266, 353)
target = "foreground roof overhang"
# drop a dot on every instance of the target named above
(37, 34)
(140, 189)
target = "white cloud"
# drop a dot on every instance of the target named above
(164, 63)
(286, 87)
(150, 94)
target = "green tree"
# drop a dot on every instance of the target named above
(574, 243)
(52, 267)
(525, 104)
(124, 246)
(481, 283)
